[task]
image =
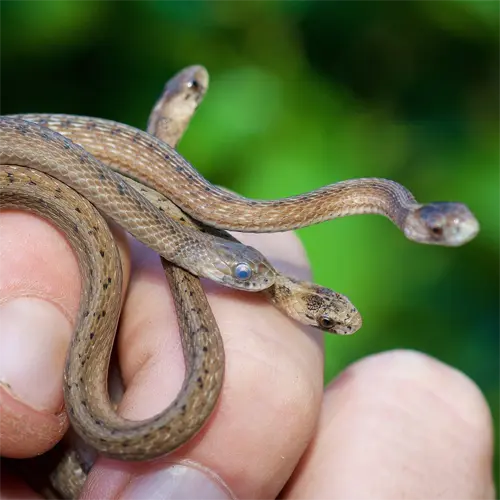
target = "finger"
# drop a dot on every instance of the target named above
(399, 425)
(39, 297)
(13, 488)
(270, 400)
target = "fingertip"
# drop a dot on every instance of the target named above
(459, 392)
(404, 422)
(25, 432)
(38, 295)
(39, 300)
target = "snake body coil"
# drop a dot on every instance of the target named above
(35, 150)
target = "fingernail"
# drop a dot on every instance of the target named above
(177, 482)
(34, 337)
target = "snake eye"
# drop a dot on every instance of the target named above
(437, 230)
(325, 322)
(193, 84)
(242, 271)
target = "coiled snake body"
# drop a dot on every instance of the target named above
(77, 151)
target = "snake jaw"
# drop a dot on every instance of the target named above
(441, 223)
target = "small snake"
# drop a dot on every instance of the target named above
(86, 396)
(155, 164)
(306, 302)
(26, 144)
(139, 155)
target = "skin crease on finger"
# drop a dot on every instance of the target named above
(422, 430)
(37, 267)
(272, 389)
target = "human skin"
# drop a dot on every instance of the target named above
(393, 425)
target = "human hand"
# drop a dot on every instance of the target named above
(391, 425)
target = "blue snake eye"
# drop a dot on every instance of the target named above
(242, 271)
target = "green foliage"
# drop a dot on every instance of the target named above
(305, 94)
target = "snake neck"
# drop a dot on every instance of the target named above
(223, 210)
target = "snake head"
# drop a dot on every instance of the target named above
(441, 223)
(242, 267)
(331, 311)
(191, 82)
(316, 306)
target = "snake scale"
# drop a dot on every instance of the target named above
(140, 181)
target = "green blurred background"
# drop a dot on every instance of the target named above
(305, 94)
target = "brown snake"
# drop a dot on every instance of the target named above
(158, 166)
(308, 303)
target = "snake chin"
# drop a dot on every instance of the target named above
(441, 223)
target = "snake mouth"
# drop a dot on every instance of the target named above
(348, 327)
(342, 329)
(462, 230)
(350, 323)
